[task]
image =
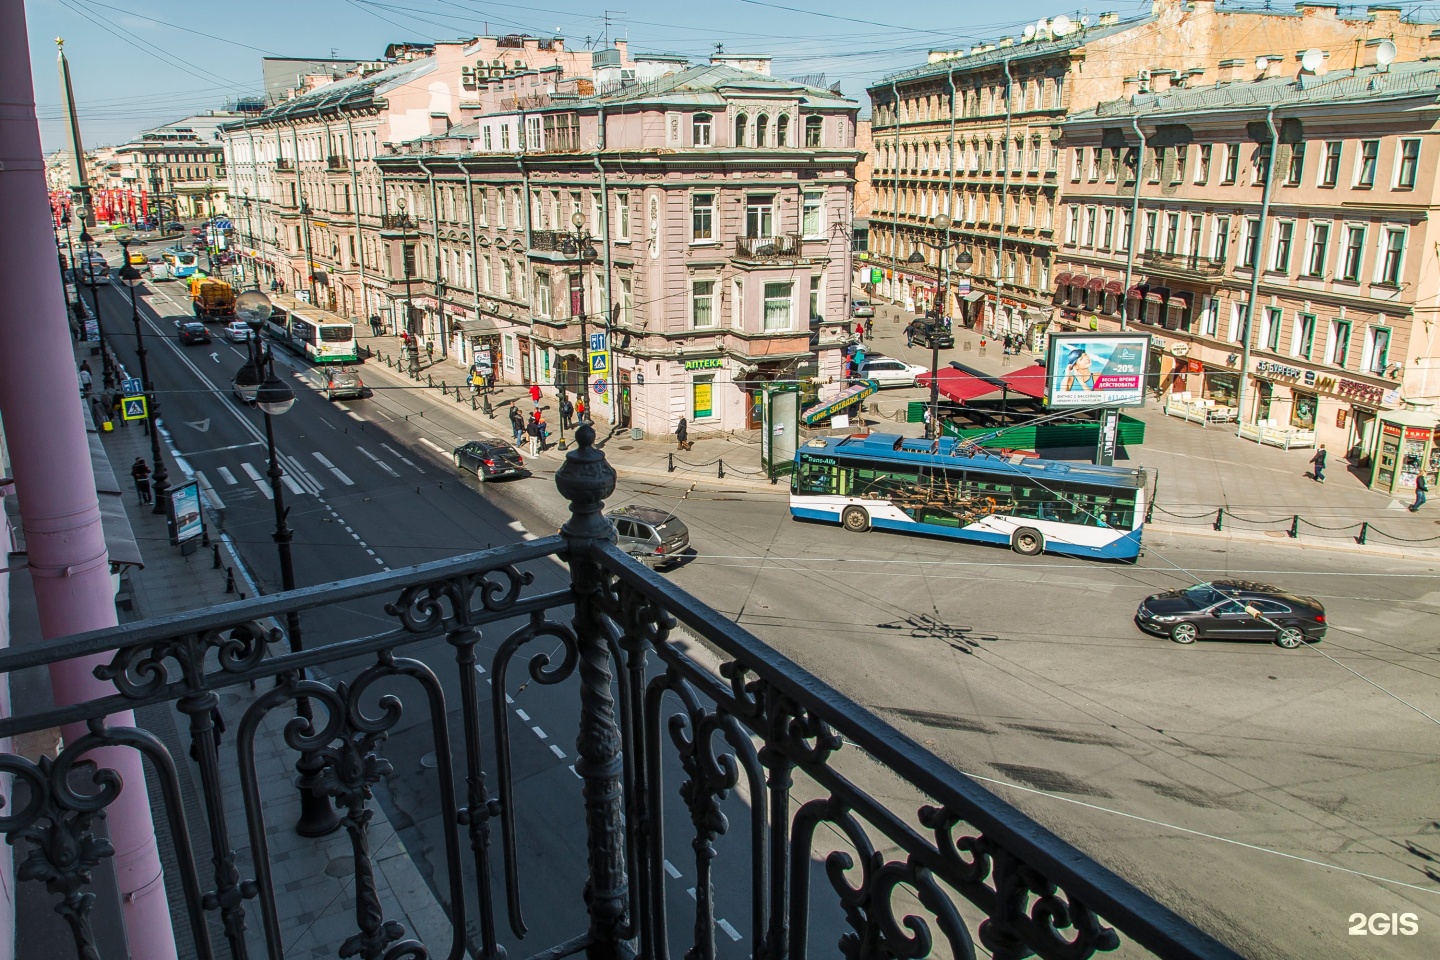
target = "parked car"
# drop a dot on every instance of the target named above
(489, 459)
(194, 333)
(932, 334)
(655, 537)
(862, 309)
(889, 372)
(237, 331)
(342, 383)
(174, 226)
(1233, 610)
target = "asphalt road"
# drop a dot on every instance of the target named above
(1268, 795)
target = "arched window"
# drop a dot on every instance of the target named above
(742, 125)
(782, 131)
(813, 127)
(762, 130)
(700, 129)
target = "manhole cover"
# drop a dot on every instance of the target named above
(340, 867)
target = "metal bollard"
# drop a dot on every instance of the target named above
(429, 380)
(722, 469)
(1220, 519)
(444, 390)
(670, 466)
(1295, 526)
(472, 403)
(1364, 533)
(229, 579)
(215, 556)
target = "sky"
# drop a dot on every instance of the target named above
(140, 63)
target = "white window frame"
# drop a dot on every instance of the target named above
(702, 129)
(1315, 229)
(1382, 249)
(706, 300)
(1367, 352)
(622, 216)
(1297, 333)
(1107, 230)
(1357, 177)
(1334, 340)
(1237, 321)
(696, 209)
(543, 303)
(737, 303)
(813, 201)
(1335, 148)
(1395, 177)
(788, 299)
(1072, 226)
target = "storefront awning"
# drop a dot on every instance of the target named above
(1180, 299)
(851, 395)
(1027, 380)
(1095, 283)
(1137, 293)
(1155, 296)
(481, 327)
(1115, 288)
(958, 385)
(974, 295)
(1062, 279)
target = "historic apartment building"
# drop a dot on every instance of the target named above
(1345, 304)
(972, 134)
(716, 201)
(174, 171)
(307, 197)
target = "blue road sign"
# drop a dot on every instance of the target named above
(131, 386)
(133, 408)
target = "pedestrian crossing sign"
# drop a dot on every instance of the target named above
(134, 408)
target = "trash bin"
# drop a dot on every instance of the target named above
(637, 434)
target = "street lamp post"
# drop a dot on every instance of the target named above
(249, 237)
(937, 311)
(256, 381)
(161, 479)
(414, 359)
(92, 281)
(580, 247)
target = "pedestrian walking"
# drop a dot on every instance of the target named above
(544, 429)
(910, 332)
(869, 327)
(140, 471)
(117, 410)
(430, 350)
(517, 423)
(682, 435)
(1422, 487)
(532, 430)
(87, 380)
(567, 411)
(535, 395)
(581, 416)
(859, 331)
(1319, 461)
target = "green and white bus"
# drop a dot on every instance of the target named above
(318, 335)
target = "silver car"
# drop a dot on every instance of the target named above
(655, 537)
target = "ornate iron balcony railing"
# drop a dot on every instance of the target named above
(668, 689)
(781, 246)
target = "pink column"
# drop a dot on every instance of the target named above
(40, 400)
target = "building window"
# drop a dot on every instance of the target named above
(1270, 328)
(1376, 354)
(737, 303)
(1297, 164)
(1409, 162)
(779, 307)
(1251, 254)
(1260, 166)
(1232, 163)
(812, 215)
(1094, 163)
(1392, 252)
(622, 216)
(1202, 164)
(702, 217)
(1303, 341)
(1182, 154)
(1330, 169)
(1092, 218)
(1107, 232)
(1157, 160)
(1220, 242)
(1193, 235)
(1072, 228)
(1369, 156)
(702, 303)
(1077, 163)
(532, 133)
(1337, 351)
(1354, 252)
(700, 130)
(817, 297)
(702, 397)
(814, 126)
(762, 130)
(760, 216)
(1112, 167)
(1319, 249)
(742, 129)
(1152, 230)
(1284, 239)
(543, 306)
(1172, 233)
(782, 131)
(1125, 229)
(1210, 317)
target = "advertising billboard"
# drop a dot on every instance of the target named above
(185, 520)
(1096, 370)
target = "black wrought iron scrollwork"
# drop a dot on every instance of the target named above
(57, 822)
(432, 607)
(139, 671)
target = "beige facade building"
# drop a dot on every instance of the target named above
(717, 201)
(174, 171)
(1341, 226)
(972, 134)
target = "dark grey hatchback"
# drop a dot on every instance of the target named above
(1233, 610)
(489, 459)
(656, 538)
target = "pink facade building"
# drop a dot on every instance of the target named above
(1324, 181)
(717, 203)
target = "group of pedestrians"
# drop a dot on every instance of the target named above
(535, 430)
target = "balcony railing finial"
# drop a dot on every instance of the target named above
(586, 479)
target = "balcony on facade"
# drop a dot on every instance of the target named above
(284, 163)
(336, 164)
(1181, 266)
(697, 743)
(784, 246)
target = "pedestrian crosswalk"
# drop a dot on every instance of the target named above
(298, 480)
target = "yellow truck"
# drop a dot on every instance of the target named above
(213, 299)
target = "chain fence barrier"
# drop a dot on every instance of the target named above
(1363, 530)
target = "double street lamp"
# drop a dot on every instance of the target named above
(92, 277)
(578, 245)
(257, 383)
(407, 265)
(131, 276)
(936, 313)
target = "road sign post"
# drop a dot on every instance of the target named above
(134, 408)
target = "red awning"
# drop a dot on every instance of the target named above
(1027, 380)
(1155, 296)
(1096, 283)
(1115, 288)
(1137, 294)
(958, 385)
(1181, 299)
(1062, 279)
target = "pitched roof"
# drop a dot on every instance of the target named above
(349, 93)
(1400, 81)
(712, 85)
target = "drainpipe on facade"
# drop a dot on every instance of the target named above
(607, 306)
(359, 233)
(1004, 198)
(69, 566)
(435, 236)
(895, 201)
(259, 204)
(529, 245)
(950, 190)
(1255, 269)
(474, 257)
(1134, 227)
(309, 275)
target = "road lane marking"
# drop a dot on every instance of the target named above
(434, 446)
(670, 869)
(691, 891)
(576, 772)
(226, 475)
(557, 751)
(254, 474)
(725, 925)
(209, 490)
(354, 416)
(539, 733)
(522, 715)
(378, 462)
(295, 488)
(335, 470)
(233, 446)
(403, 459)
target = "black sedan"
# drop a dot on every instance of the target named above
(1233, 610)
(194, 333)
(489, 459)
(929, 333)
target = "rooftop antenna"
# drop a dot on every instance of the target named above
(1385, 55)
(334, 53)
(1312, 60)
(1061, 25)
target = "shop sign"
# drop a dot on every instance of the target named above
(709, 363)
(1269, 368)
(1088, 370)
(1362, 392)
(1341, 415)
(1417, 433)
(1391, 429)
(962, 287)
(876, 274)
(1179, 349)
